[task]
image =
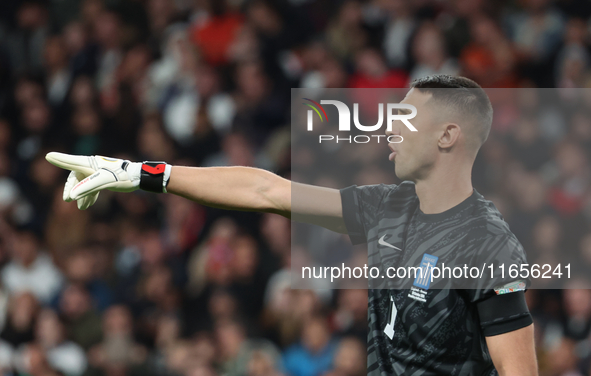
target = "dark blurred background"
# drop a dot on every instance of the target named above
(144, 284)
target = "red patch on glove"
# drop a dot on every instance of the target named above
(158, 169)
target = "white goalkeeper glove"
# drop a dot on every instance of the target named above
(91, 174)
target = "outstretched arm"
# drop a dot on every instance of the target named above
(253, 189)
(233, 188)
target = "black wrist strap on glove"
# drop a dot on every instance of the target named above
(152, 177)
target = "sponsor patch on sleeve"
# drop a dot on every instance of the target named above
(510, 287)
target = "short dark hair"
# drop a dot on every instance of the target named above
(468, 98)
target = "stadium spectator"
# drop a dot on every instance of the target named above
(63, 355)
(20, 323)
(82, 321)
(31, 269)
(314, 355)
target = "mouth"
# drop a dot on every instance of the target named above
(392, 155)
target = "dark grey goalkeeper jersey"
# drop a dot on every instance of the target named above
(419, 327)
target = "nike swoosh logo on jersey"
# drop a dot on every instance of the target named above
(381, 241)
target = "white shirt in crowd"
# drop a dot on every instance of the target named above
(41, 278)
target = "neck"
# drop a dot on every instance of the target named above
(443, 190)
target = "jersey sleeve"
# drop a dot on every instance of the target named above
(499, 297)
(504, 313)
(362, 207)
(495, 257)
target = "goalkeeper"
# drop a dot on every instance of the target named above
(432, 332)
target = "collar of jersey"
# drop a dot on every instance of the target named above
(459, 208)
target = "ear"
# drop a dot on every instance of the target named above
(451, 134)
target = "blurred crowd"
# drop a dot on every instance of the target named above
(144, 284)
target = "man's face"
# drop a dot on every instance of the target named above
(416, 154)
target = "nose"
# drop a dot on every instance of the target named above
(394, 131)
